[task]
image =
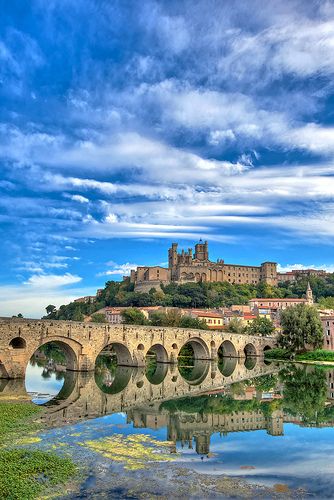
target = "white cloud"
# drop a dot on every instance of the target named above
(329, 268)
(119, 269)
(79, 198)
(51, 281)
(32, 301)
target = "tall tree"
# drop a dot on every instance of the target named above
(260, 326)
(301, 328)
(133, 316)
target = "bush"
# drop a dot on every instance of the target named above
(318, 355)
(278, 353)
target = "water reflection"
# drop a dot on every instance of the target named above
(226, 417)
(110, 377)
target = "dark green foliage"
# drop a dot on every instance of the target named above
(265, 383)
(278, 353)
(25, 474)
(174, 318)
(192, 295)
(216, 405)
(260, 326)
(207, 295)
(305, 392)
(98, 318)
(236, 326)
(133, 316)
(301, 327)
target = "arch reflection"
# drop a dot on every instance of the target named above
(110, 377)
(194, 373)
(156, 372)
(227, 366)
(250, 362)
(46, 371)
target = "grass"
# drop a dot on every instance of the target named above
(317, 355)
(284, 354)
(278, 353)
(25, 474)
(17, 419)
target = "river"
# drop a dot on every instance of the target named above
(238, 428)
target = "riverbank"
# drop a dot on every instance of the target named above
(317, 357)
(25, 472)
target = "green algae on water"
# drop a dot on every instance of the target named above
(25, 474)
(134, 451)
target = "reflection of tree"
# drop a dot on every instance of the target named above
(265, 383)
(46, 374)
(222, 405)
(54, 352)
(305, 392)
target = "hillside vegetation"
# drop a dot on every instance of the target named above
(198, 295)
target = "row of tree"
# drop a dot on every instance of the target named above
(187, 295)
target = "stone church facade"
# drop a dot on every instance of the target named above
(189, 267)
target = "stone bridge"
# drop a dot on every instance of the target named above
(87, 395)
(83, 342)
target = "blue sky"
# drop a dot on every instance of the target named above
(127, 125)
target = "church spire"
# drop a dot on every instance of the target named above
(309, 294)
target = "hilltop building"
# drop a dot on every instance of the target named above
(300, 273)
(189, 267)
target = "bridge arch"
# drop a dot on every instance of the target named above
(250, 362)
(250, 350)
(199, 347)
(18, 343)
(70, 348)
(227, 366)
(266, 348)
(160, 353)
(227, 349)
(196, 374)
(121, 352)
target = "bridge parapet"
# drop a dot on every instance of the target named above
(83, 342)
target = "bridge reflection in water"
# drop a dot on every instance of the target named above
(156, 396)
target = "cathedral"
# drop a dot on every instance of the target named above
(189, 267)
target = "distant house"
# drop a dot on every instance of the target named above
(328, 328)
(114, 315)
(213, 320)
(89, 299)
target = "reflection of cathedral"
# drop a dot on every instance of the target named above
(185, 427)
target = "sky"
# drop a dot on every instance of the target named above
(126, 126)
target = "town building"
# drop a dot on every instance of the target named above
(89, 299)
(189, 267)
(328, 328)
(213, 320)
(277, 304)
(300, 273)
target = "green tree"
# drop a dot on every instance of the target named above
(260, 326)
(301, 328)
(133, 316)
(158, 318)
(236, 326)
(189, 322)
(50, 309)
(326, 302)
(98, 318)
(305, 392)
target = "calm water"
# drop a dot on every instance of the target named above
(270, 424)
